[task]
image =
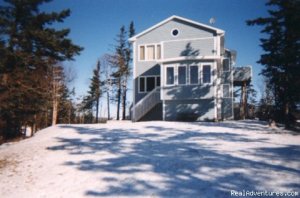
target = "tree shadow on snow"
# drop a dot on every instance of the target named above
(188, 169)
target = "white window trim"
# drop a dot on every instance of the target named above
(219, 45)
(146, 52)
(145, 86)
(165, 77)
(198, 72)
(189, 39)
(186, 74)
(156, 58)
(228, 90)
(211, 73)
(173, 30)
(139, 52)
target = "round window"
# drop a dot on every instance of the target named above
(175, 32)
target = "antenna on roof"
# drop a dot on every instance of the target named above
(212, 20)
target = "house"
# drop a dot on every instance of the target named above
(182, 71)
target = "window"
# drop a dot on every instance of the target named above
(157, 81)
(175, 32)
(226, 91)
(158, 50)
(150, 83)
(170, 76)
(194, 74)
(142, 52)
(142, 84)
(150, 52)
(206, 71)
(225, 65)
(182, 75)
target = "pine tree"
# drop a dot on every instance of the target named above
(57, 86)
(29, 49)
(94, 93)
(127, 69)
(62, 107)
(107, 80)
(282, 54)
(95, 90)
(251, 97)
(119, 61)
(66, 110)
(251, 94)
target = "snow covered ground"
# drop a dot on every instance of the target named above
(151, 159)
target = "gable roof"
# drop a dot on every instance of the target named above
(218, 31)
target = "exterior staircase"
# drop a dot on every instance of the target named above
(146, 104)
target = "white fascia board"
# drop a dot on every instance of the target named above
(188, 58)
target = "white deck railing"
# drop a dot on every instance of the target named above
(146, 104)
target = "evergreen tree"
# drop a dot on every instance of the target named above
(62, 107)
(266, 103)
(58, 88)
(28, 47)
(95, 90)
(251, 97)
(282, 54)
(107, 82)
(66, 110)
(119, 61)
(127, 69)
(251, 94)
(94, 93)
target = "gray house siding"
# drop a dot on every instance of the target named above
(187, 92)
(163, 33)
(189, 110)
(153, 114)
(201, 47)
(226, 77)
(227, 99)
(227, 107)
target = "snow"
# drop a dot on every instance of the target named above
(151, 159)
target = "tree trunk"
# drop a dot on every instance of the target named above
(33, 127)
(244, 101)
(25, 131)
(119, 99)
(108, 109)
(97, 109)
(56, 77)
(124, 99)
(124, 104)
(46, 117)
(69, 112)
(54, 112)
(287, 116)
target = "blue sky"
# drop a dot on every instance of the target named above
(95, 23)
